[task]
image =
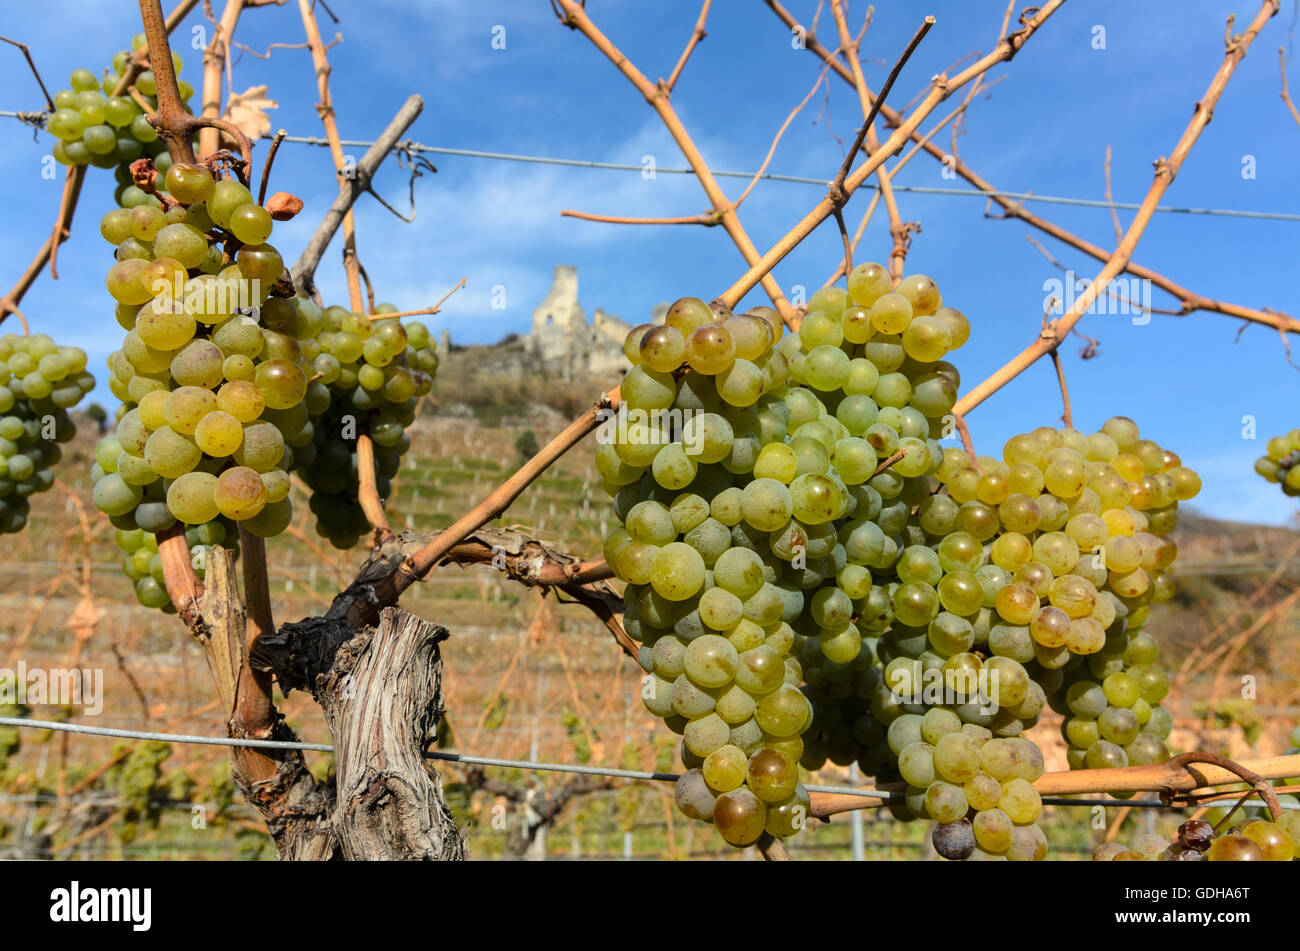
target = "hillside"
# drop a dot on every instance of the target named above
(525, 677)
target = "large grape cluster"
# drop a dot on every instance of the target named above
(94, 127)
(375, 371)
(39, 382)
(752, 523)
(1281, 462)
(215, 392)
(1081, 529)
(790, 505)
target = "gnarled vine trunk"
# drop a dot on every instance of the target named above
(381, 691)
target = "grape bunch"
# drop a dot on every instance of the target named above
(215, 393)
(375, 371)
(94, 127)
(753, 518)
(1281, 462)
(1080, 525)
(788, 495)
(39, 382)
(1249, 840)
(682, 461)
(142, 564)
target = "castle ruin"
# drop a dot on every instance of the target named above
(562, 340)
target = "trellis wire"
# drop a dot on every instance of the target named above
(610, 771)
(419, 147)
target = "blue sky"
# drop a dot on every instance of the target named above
(549, 92)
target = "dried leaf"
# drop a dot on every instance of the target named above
(84, 618)
(247, 110)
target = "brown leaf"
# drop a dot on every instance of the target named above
(247, 110)
(83, 619)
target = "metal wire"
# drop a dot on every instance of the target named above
(866, 793)
(419, 147)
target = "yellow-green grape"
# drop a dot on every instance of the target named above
(242, 399)
(710, 349)
(251, 223)
(240, 493)
(189, 184)
(226, 196)
(277, 484)
(262, 447)
(219, 434)
(282, 384)
(185, 406)
(171, 454)
(190, 498)
(272, 520)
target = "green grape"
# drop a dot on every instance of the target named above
(190, 498)
(272, 520)
(182, 242)
(112, 494)
(171, 454)
(282, 384)
(198, 364)
(678, 571)
(218, 433)
(710, 349)
(240, 493)
(186, 406)
(226, 196)
(259, 262)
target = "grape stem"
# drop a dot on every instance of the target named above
(174, 124)
(171, 118)
(960, 422)
(142, 102)
(1166, 171)
(254, 713)
(772, 848)
(180, 579)
(368, 489)
(266, 166)
(1189, 300)
(1067, 417)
